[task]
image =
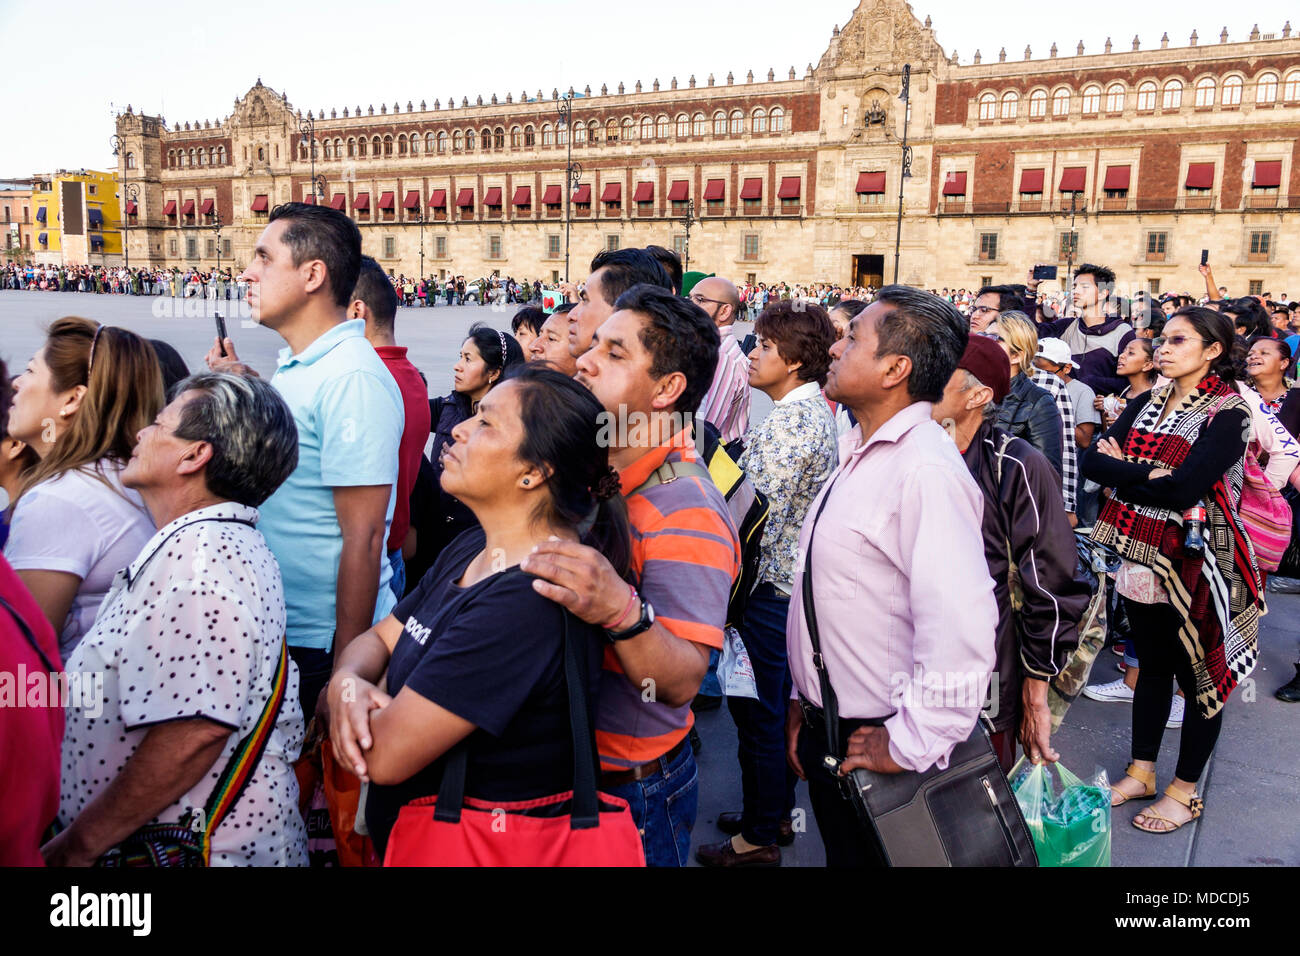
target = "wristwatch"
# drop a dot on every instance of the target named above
(643, 624)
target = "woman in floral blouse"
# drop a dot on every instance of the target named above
(788, 456)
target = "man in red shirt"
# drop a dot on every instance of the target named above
(375, 300)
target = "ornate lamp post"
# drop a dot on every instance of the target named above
(216, 227)
(307, 128)
(906, 172)
(688, 220)
(419, 217)
(132, 194)
(573, 171)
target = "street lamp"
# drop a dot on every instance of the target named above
(906, 172)
(688, 220)
(572, 170)
(307, 127)
(419, 217)
(132, 193)
(216, 226)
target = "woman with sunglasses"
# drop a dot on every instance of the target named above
(1188, 579)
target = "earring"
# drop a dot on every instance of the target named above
(525, 481)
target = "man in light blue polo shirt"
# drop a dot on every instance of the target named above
(328, 523)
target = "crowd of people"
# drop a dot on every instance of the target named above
(494, 595)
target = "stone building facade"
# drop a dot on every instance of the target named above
(1138, 157)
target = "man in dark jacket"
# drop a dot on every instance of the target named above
(1030, 550)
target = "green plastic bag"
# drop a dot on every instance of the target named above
(1068, 818)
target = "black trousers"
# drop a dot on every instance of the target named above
(314, 670)
(847, 843)
(1153, 629)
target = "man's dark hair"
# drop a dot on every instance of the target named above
(625, 268)
(1279, 307)
(679, 336)
(375, 289)
(671, 263)
(1247, 313)
(802, 332)
(850, 307)
(563, 307)
(929, 331)
(319, 232)
(1105, 278)
(531, 317)
(1009, 300)
(173, 367)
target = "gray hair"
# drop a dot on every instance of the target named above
(990, 408)
(252, 433)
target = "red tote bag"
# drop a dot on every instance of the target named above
(580, 827)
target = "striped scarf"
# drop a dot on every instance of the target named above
(1220, 595)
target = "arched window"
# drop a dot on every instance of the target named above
(611, 131)
(699, 125)
(593, 133)
(1205, 91)
(203, 157)
(171, 158)
(516, 137)
(415, 144)
(431, 143)
(759, 120)
(499, 138)
(529, 138)
(457, 141)
(1173, 98)
(470, 140)
(1010, 104)
(737, 120)
(629, 129)
(562, 135)
(388, 145)
(1061, 103)
(647, 129)
(1038, 104)
(261, 154)
(327, 149)
(485, 139)
(778, 119)
(719, 123)
(1232, 91)
(352, 148)
(302, 150)
(1115, 98)
(1147, 96)
(1266, 90)
(579, 134)
(375, 147)
(1091, 100)
(193, 163)
(661, 127)
(221, 154)
(401, 144)
(683, 126)
(1291, 88)
(130, 160)
(988, 106)
(361, 147)
(548, 137)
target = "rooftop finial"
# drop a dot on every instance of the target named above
(1223, 36)
(1052, 52)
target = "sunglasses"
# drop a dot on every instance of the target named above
(1176, 341)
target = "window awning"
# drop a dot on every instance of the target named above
(583, 194)
(339, 202)
(1200, 176)
(96, 216)
(955, 184)
(1031, 180)
(40, 213)
(361, 202)
(386, 200)
(209, 204)
(552, 196)
(1073, 179)
(465, 198)
(715, 190)
(169, 208)
(259, 204)
(645, 192)
(493, 197)
(412, 200)
(188, 208)
(871, 183)
(1268, 172)
(679, 191)
(438, 200)
(523, 196)
(309, 199)
(752, 189)
(43, 238)
(1117, 177)
(613, 192)
(789, 188)
(96, 241)
(131, 207)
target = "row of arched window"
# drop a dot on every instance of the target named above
(1205, 92)
(195, 156)
(592, 132)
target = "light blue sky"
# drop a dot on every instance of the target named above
(66, 63)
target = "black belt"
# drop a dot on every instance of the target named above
(814, 717)
(617, 778)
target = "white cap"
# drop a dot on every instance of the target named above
(1055, 351)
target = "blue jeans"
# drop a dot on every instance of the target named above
(711, 686)
(398, 581)
(663, 808)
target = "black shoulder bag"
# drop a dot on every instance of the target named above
(965, 815)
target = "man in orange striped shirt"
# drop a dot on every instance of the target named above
(649, 365)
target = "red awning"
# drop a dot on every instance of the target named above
(309, 199)
(386, 200)
(207, 206)
(583, 195)
(493, 197)
(361, 202)
(188, 208)
(645, 192)
(955, 184)
(613, 192)
(1200, 176)
(871, 182)
(1117, 177)
(259, 204)
(1031, 180)
(131, 208)
(523, 196)
(552, 196)
(1268, 172)
(1073, 179)
(438, 200)
(679, 191)
(465, 198)
(789, 188)
(716, 189)
(752, 189)
(412, 200)
(339, 202)
(169, 208)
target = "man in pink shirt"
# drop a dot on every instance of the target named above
(902, 592)
(375, 300)
(726, 404)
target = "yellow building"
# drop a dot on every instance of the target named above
(78, 219)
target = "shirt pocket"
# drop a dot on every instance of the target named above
(837, 561)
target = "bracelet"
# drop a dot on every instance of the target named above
(632, 596)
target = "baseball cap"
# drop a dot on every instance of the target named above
(1055, 351)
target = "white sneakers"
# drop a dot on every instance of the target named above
(1118, 692)
(1176, 712)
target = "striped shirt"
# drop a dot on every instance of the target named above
(726, 405)
(685, 554)
(1069, 447)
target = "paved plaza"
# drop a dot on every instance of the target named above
(1251, 786)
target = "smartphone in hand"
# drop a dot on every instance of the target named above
(1205, 257)
(221, 332)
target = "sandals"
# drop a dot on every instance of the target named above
(1191, 801)
(1145, 777)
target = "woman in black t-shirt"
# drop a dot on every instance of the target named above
(474, 653)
